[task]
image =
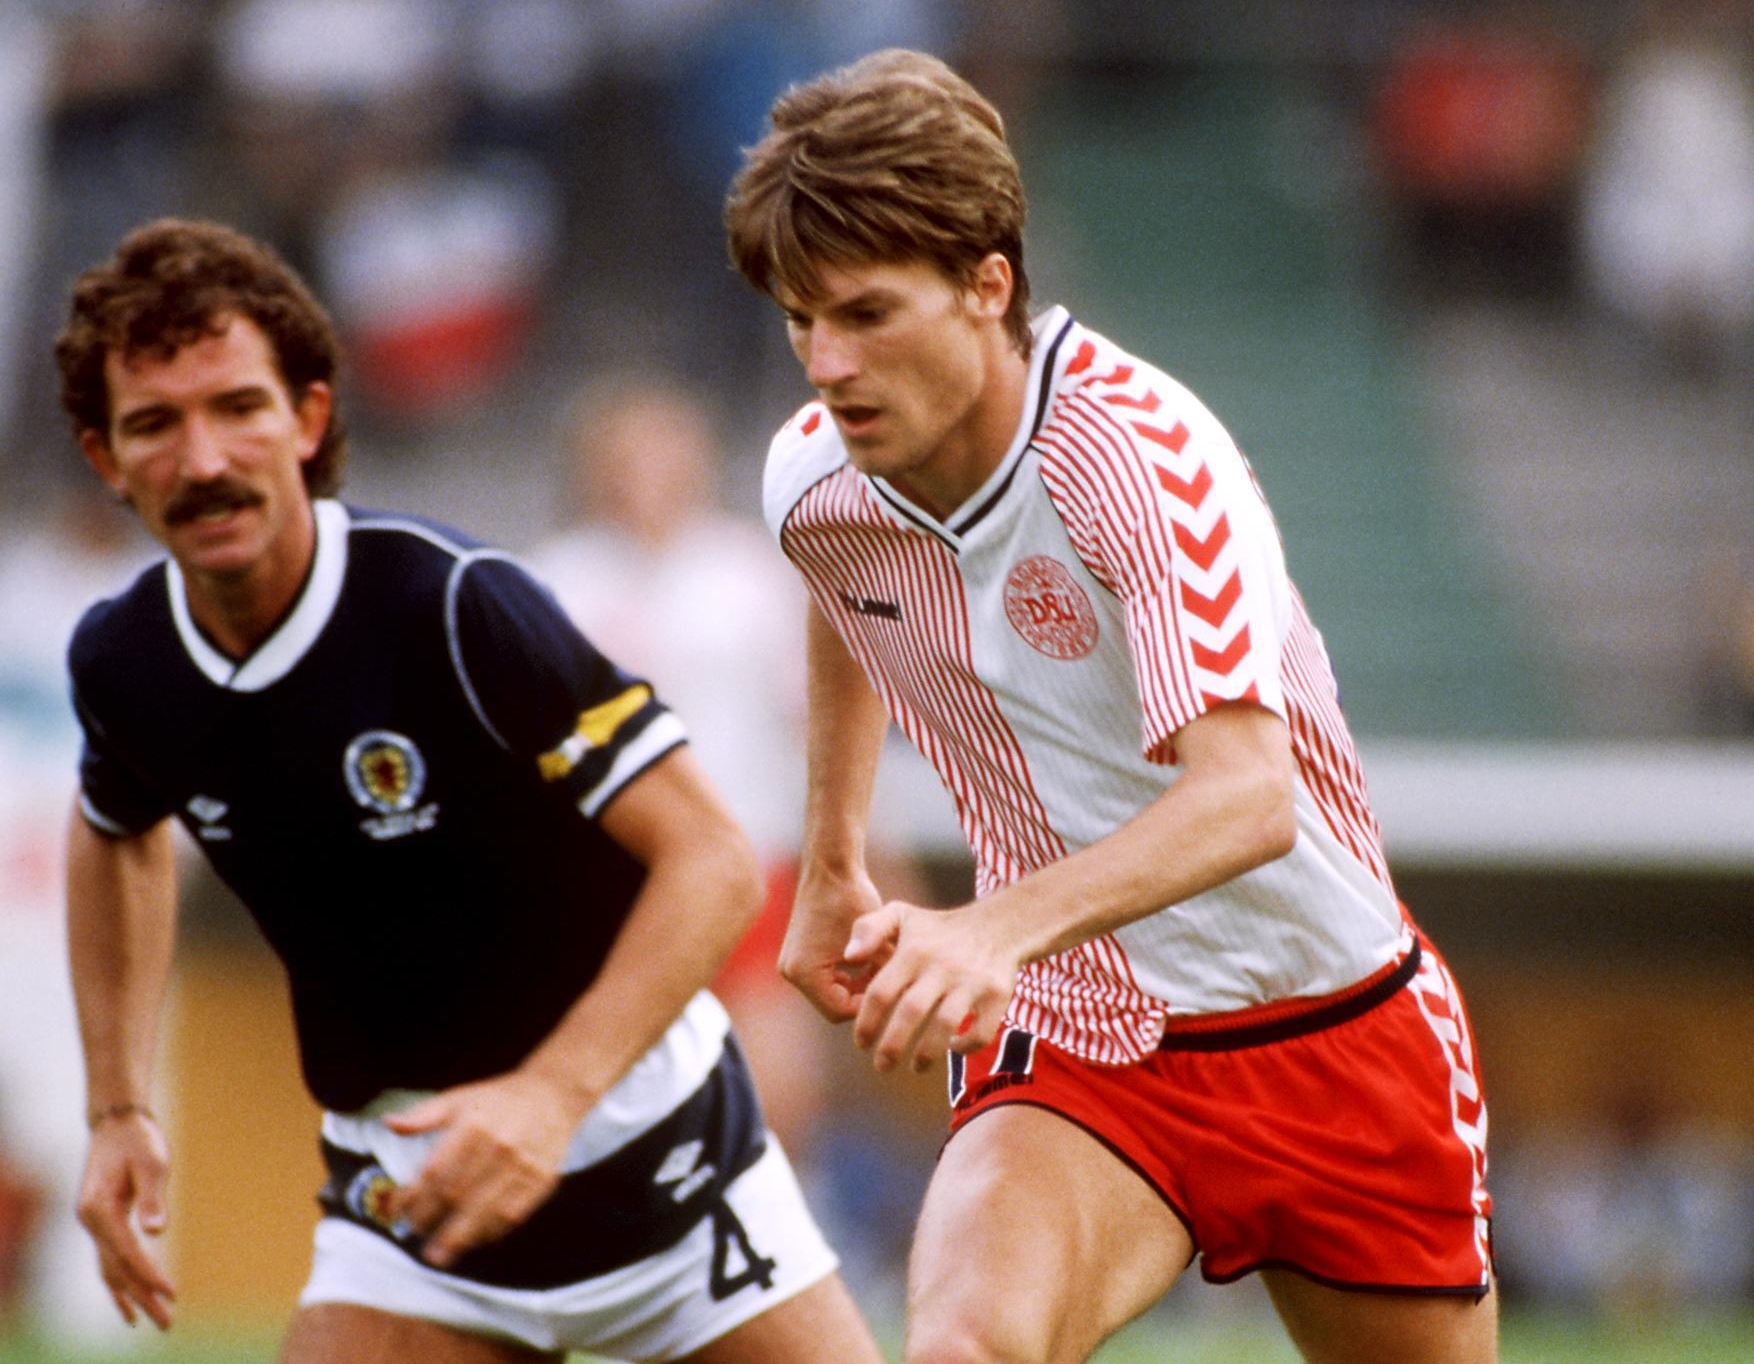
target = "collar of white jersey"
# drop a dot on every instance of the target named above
(1044, 367)
(275, 656)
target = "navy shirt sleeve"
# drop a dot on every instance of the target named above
(115, 794)
(544, 691)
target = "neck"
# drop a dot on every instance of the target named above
(978, 445)
(237, 611)
(233, 617)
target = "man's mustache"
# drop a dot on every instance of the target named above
(223, 495)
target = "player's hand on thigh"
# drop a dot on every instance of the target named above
(497, 1161)
(121, 1196)
(943, 980)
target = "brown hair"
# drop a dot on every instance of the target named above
(894, 158)
(175, 281)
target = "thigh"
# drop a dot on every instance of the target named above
(346, 1333)
(1338, 1326)
(1035, 1241)
(820, 1323)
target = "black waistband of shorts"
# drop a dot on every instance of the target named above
(635, 1202)
(1341, 1008)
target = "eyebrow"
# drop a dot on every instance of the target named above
(877, 293)
(134, 415)
(874, 294)
(159, 406)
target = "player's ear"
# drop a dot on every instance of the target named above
(313, 407)
(991, 285)
(97, 452)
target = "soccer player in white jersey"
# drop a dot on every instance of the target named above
(1186, 1012)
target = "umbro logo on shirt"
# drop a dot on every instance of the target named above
(683, 1168)
(208, 813)
(871, 606)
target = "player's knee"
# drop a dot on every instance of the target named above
(986, 1340)
(957, 1350)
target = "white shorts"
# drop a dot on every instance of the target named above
(720, 1275)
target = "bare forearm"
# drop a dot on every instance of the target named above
(685, 923)
(1204, 831)
(703, 888)
(844, 740)
(945, 979)
(121, 929)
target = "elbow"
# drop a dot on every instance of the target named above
(738, 875)
(1276, 800)
(1279, 830)
(1272, 827)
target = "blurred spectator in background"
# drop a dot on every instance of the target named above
(657, 573)
(125, 101)
(25, 67)
(1479, 126)
(1667, 227)
(21, 1205)
(62, 555)
(313, 97)
(106, 96)
(347, 118)
(489, 195)
(79, 547)
(1641, 1217)
(656, 135)
(654, 568)
(1726, 594)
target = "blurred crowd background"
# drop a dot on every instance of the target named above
(1471, 282)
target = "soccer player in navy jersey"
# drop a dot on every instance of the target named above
(485, 855)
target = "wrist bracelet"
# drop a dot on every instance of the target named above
(99, 1116)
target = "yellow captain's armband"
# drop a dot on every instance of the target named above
(595, 728)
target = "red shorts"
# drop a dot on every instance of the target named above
(1352, 1150)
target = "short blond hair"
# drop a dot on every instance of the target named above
(894, 158)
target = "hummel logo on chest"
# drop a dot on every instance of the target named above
(871, 606)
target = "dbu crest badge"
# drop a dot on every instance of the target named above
(386, 774)
(1046, 605)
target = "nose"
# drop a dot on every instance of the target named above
(203, 451)
(829, 357)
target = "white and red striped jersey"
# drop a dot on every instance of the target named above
(1117, 576)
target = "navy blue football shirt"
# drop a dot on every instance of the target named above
(401, 784)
